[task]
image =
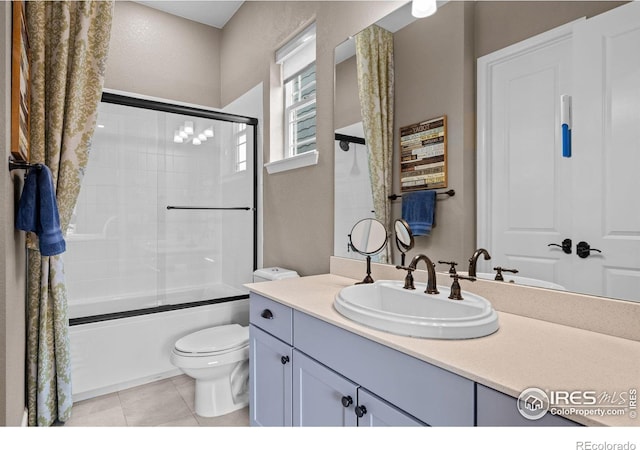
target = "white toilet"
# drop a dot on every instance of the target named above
(218, 359)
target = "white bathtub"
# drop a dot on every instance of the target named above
(117, 354)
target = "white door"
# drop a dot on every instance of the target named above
(520, 163)
(606, 156)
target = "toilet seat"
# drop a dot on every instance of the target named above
(213, 341)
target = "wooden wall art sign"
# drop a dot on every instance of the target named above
(423, 155)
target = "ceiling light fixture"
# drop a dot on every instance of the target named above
(188, 127)
(208, 132)
(196, 141)
(177, 139)
(202, 137)
(423, 8)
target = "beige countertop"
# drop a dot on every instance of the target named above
(523, 353)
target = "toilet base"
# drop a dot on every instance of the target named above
(213, 398)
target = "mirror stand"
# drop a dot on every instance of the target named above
(368, 278)
(368, 237)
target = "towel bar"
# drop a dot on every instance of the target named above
(450, 193)
(16, 165)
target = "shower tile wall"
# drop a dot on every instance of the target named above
(125, 250)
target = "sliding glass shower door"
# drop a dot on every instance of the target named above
(166, 214)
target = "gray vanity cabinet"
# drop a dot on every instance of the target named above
(432, 395)
(322, 397)
(270, 378)
(305, 371)
(379, 413)
(270, 362)
(496, 409)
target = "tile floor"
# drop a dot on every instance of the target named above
(165, 403)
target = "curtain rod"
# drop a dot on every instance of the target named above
(347, 138)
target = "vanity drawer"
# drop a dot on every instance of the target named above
(273, 317)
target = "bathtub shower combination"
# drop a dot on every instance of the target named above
(165, 223)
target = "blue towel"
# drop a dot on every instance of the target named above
(418, 209)
(38, 211)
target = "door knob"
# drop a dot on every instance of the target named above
(566, 246)
(360, 410)
(347, 401)
(284, 359)
(583, 249)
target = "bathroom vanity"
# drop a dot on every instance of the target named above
(312, 366)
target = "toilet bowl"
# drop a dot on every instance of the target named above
(218, 359)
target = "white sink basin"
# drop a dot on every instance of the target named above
(386, 306)
(515, 279)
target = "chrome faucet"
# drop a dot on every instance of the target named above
(431, 274)
(474, 260)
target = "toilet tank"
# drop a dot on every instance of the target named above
(273, 273)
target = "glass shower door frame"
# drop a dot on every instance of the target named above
(155, 105)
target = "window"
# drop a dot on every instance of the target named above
(300, 112)
(241, 147)
(297, 58)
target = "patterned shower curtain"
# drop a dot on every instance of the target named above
(69, 42)
(374, 57)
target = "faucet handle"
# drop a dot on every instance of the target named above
(408, 280)
(499, 271)
(453, 265)
(456, 291)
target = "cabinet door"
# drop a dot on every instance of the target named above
(495, 409)
(375, 412)
(270, 380)
(321, 397)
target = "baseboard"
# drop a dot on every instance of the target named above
(25, 418)
(79, 396)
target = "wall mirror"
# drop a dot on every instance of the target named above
(486, 27)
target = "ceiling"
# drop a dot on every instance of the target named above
(214, 13)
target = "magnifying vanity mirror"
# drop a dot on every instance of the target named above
(433, 67)
(404, 238)
(368, 237)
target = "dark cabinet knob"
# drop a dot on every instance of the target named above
(583, 249)
(267, 314)
(347, 401)
(361, 410)
(566, 246)
(284, 359)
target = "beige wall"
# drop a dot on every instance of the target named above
(346, 106)
(157, 54)
(502, 23)
(12, 254)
